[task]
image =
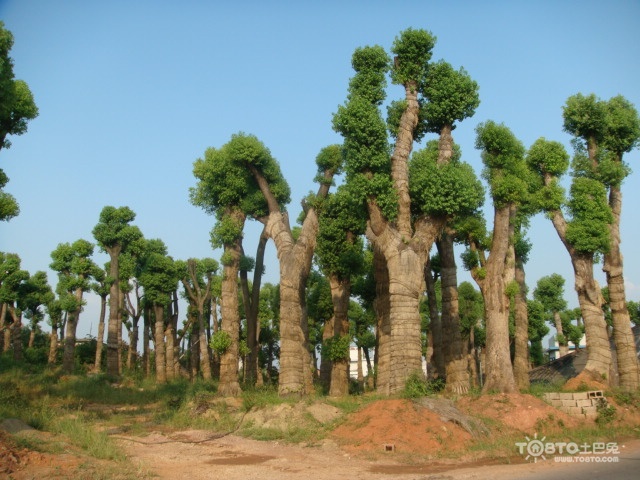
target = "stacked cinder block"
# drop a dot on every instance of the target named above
(580, 404)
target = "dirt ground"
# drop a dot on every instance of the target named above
(386, 438)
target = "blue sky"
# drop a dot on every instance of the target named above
(131, 93)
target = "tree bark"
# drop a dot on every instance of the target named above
(97, 365)
(382, 308)
(53, 345)
(113, 362)
(161, 364)
(521, 357)
(435, 325)
(229, 385)
(498, 369)
(590, 300)
(457, 374)
(340, 296)
(626, 354)
(16, 334)
(563, 344)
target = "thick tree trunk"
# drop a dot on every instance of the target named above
(405, 342)
(521, 357)
(97, 365)
(626, 354)
(70, 343)
(295, 264)
(203, 347)
(498, 369)
(170, 350)
(53, 345)
(160, 348)
(229, 385)
(455, 358)
(340, 296)
(146, 332)
(16, 334)
(32, 337)
(435, 326)
(563, 344)
(113, 362)
(590, 300)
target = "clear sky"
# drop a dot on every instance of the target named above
(131, 93)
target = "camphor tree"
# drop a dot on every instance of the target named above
(75, 271)
(17, 107)
(340, 256)
(295, 254)
(505, 171)
(584, 234)
(114, 234)
(35, 294)
(197, 278)
(380, 176)
(12, 277)
(227, 189)
(607, 130)
(159, 279)
(549, 292)
(538, 329)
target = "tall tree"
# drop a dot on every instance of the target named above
(12, 278)
(227, 189)
(608, 130)
(471, 316)
(197, 278)
(75, 272)
(35, 295)
(381, 176)
(505, 170)
(584, 234)
(17, 107)
(159, 279)
(549, 292)
(101, 287)
(114, 233)
(538, 329)
(294, 256)
(340, 256)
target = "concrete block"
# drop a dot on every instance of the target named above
(580, 396)
(548, 397)
(569, 403)
(584, 403)
(596, 394)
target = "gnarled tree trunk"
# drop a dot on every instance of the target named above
(521, 356)
(340, 296)
(160, 348)
(626, 354)
(97, 365)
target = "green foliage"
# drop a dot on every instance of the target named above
(548, 157)
(584, 117)
(588, 230)
(449, 189)
(606, 413)
(418, 386)
(623, 126)
(505, 169)
(451, 96)
(227, 230)
(329, 159)
(549, 292)
(371, 65)
(220, 342)
(158, 277)
(17, 106)
(8, 205)
(336, 348)
(412, 50)
(114, 229)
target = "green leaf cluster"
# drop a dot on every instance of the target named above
(412, 50)
(336, 348)
(452, 95)
(505, 169)
(588, 230)
(114, 228)
(226, 231)
(449, 189)
(220, 342)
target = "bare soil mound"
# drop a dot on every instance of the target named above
(402, 426)
(521, 412)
